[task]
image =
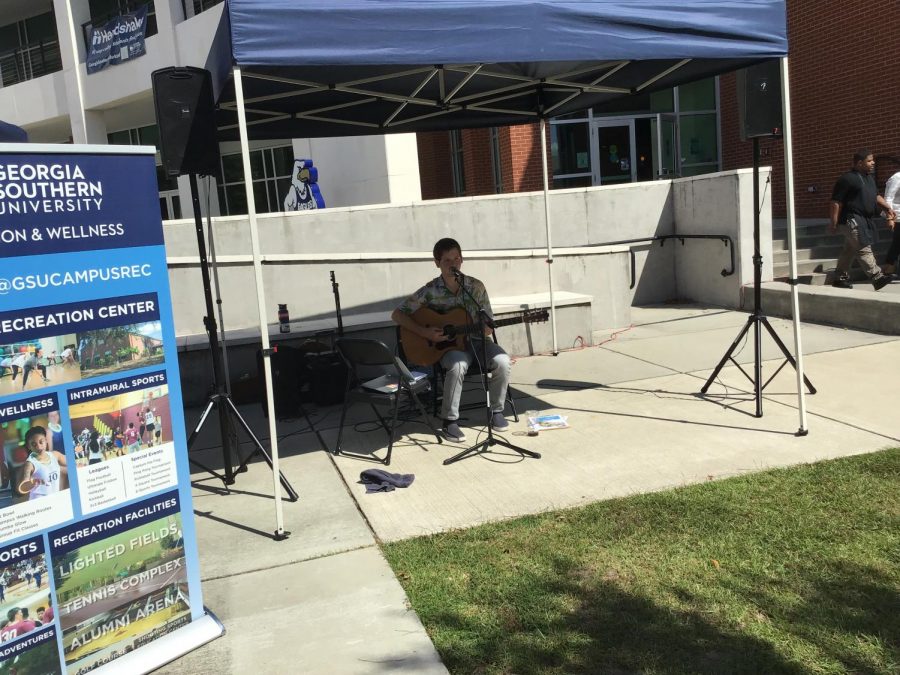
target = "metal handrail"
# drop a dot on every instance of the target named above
(726, 239)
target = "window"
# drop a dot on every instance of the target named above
(496, 169)
(456, 163)
(148, 135)
(270, 169)
(694, 96)
(691, 108)
(203, 5)
(169, 202)
(570, 144)
(29, 49)
(698, 127)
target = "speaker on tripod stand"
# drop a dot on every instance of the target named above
(185, 114)
(760, 110)
(759, 101)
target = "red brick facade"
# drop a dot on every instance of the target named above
(843, 68)
(520, 161)
(842, 65)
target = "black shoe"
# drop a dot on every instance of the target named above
(841, 283)
(498, 422)
(452, 432)
(882, 281)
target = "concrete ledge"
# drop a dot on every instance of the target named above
(300, 329)
(862, 309)
(574, 324)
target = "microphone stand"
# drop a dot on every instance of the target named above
(491, 440)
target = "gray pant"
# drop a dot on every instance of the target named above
(456, 363)
(852, 249)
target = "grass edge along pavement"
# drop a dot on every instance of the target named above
(791, 570)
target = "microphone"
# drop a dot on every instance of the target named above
(456, 273)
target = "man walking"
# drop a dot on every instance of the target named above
(892, 197)
(854, 203)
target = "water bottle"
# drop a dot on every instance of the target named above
(284, 319)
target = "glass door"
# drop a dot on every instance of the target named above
(666, 161)
(615, 147)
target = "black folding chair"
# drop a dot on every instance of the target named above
(473, 374)
(377, 377)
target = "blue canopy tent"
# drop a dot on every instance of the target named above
(295, 68)
(10, 133)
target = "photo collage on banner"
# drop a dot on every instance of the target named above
(98, 556)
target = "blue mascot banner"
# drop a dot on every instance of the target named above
(98, 555)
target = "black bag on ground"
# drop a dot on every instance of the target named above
(300, 376)
(328, 378)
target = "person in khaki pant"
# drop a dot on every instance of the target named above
(854, 203)
(892, 197)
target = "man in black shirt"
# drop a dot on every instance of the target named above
(854, 203)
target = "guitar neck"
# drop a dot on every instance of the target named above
(475, 327)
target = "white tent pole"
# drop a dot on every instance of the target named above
(549, 238)
(79, 134)
(260, 300)
(792, 239)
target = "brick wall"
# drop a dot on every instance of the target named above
(434, 164)
(520, 161)
(842, 64)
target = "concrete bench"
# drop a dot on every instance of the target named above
(573, 322)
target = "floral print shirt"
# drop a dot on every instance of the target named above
(436, 296)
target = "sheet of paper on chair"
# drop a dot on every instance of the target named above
(388, 384)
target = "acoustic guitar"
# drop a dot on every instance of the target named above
(456, 328)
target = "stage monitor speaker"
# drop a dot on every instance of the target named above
(186, 115)
(759, 100)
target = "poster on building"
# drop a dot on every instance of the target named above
(118, 40)
(98, 557)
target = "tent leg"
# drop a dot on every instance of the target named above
(792, 239)
(548, 228)
(260, 302)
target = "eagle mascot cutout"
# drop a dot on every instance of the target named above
(304, 193)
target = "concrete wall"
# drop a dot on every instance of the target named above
(381, 253)
(720, 203)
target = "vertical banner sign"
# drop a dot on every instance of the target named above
(98, 555)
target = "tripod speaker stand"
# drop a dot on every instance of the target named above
(220, 400)
(757, 320)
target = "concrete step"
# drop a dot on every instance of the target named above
(861, 308)
(823, 252)
(809, 242)
(804, 228)
(813, 234)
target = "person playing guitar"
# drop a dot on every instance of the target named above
(442, 295)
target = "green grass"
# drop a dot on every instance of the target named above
(788, 571)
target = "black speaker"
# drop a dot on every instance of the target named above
(759, 100)
(185, 114)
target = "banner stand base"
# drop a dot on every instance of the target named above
(167, 648)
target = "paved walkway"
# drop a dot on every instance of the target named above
(325, 600)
